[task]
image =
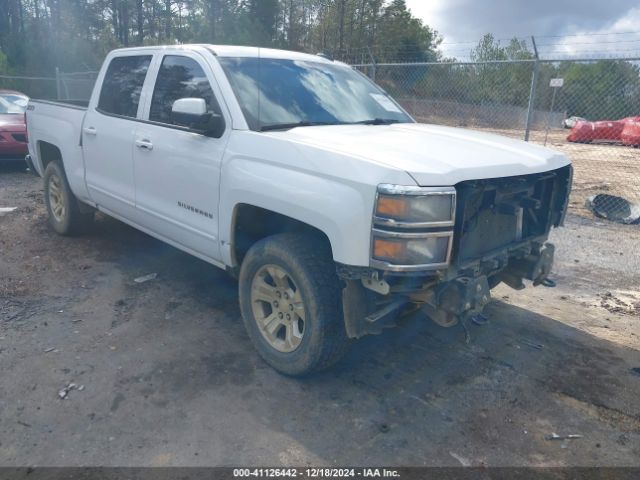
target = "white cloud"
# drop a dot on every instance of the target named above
(463, 22)
(428, 10)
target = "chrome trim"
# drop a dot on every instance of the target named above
(409, 190)
(390, 189)
(410, 235)
(389, 222)
(384, 265)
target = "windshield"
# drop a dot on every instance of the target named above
(12, 103)
(278, 93)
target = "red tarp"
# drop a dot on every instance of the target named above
(631, 132)
(607, 130)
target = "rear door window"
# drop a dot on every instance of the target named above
(179, 77)
(122, 85)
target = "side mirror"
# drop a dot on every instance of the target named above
(192, 113)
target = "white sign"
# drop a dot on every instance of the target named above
(385, 103)
(556, 82)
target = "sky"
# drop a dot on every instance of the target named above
(561, 27)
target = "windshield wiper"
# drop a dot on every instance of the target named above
(377, 121)
(285, 126)
(306, 123)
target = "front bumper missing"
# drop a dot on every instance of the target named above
(458, 299)
(446, 302)
(535, 267)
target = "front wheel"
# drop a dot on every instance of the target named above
(291, 303)
(62, 206)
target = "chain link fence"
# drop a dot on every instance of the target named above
(587, 109)
(61, 86)
(76, 85)
(35, 87)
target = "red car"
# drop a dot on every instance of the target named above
(13, 129)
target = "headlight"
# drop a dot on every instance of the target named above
(411, 249)
(415, 207)
(410, 227)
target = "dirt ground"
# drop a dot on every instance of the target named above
(165, 374)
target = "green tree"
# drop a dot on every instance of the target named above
(602, 90)
(39, 35)
(4, 64)
(263, 15)
(407, 38)
(498, 77)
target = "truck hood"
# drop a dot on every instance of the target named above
(432, 155)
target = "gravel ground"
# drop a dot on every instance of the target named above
(169, 377)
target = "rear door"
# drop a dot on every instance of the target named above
(177, 171)
(108, 133)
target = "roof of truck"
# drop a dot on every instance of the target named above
(239, 51)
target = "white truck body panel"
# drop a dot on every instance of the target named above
(327, 190)
(433, 155)
(324, 176)
(61, 127)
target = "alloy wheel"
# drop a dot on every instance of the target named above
(56, 198)
(278, 308)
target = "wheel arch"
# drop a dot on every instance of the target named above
(251, 223)
(47, 153)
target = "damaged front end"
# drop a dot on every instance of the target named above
(442, 250)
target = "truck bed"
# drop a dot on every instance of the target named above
(58, 125)
(77, 104)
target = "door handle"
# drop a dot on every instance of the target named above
(90, 131)
(144, 144)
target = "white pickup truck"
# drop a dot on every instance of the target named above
(338, 213)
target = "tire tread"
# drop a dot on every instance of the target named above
(314, 255)
(78, 222)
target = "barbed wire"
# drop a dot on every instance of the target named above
(528, 37)
(635, 40)
(588, 34)
(465, 47)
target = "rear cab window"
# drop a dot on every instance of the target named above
(122, 85)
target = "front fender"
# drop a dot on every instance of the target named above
(325, 189)
(341, 211)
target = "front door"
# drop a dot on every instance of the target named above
(177, 171)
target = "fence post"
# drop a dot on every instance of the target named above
(373, 64)
(553, 101)
(58, 85)
(532, 91)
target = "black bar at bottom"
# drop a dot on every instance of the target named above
(308, 473)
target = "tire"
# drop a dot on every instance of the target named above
(64, 212)
(315, 294)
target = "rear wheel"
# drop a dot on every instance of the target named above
(62, 206)
(290, 298)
